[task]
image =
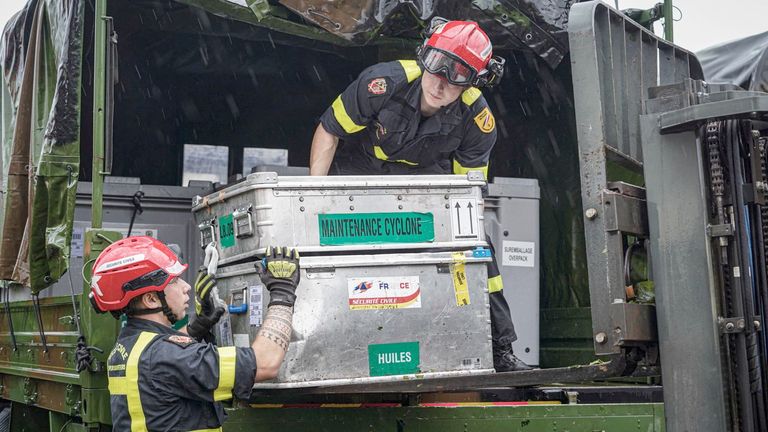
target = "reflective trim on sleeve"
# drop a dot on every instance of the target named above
(459, 169)
(379, 153)
(218, 429)
(470, 95)
(227, 361)
(412, 69)
(495, 284)
(340, 113)
(129, 385)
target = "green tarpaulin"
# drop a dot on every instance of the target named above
(41, 58)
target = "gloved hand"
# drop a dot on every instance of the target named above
(207, 313)
(204, 284)
(200, 328)
(281, 275)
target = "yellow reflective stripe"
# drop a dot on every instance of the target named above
(118, 386)
(460, 169)
(470, 95)
(412, 69)
(343, 118)
(218, 429)
(227, 361)
(136, 411)
(379, 153)
(495, 284)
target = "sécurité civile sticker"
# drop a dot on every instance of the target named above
(391, 292)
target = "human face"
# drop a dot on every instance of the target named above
(437, 92)
(177, 297)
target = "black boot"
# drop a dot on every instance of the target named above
(504, 360)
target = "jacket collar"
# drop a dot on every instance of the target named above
(138, 325)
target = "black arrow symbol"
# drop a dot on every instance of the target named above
(471, 225)
(458, 215)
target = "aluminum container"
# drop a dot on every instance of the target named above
(512, 223)
(342, 213)
(372, 318)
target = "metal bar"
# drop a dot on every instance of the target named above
(99, 107)
(614, 368)
(686, 309)
(743, 283)
(692, 116)
(7, 302)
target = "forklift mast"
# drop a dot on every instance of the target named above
(673, 167)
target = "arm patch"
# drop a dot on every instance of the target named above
(182, 341)
(485, 121)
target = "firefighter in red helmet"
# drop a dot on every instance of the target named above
(163, 379)
(423, 117)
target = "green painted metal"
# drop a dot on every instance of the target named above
(99, 109)
(101, 331)
(669, 21)
(524, 418)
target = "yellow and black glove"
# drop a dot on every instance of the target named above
(204, 283)
(208, 314)
(281, 275)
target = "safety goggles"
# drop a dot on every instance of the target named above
(439, 62)
(154, 278)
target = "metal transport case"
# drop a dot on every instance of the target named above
(372, 318)
(342, 213)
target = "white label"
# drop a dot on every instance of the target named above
(464, 220)
(120, 263)
(256, 301)
(519, 254)
(241, 340)
(396, 292)
(76, 246)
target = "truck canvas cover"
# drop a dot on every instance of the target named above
(743, 62)
(41, 60)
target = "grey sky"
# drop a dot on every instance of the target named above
(703, 23)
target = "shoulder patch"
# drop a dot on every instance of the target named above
(377, 86)
(485, 121)
(182, 341)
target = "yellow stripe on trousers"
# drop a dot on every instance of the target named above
(495, 284)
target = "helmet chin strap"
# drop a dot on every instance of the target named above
(165, 309)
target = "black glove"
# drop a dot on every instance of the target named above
(207, 314)
(281, 275)
(200, 328)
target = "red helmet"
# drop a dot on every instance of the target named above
(130, 267)
(461, 52)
